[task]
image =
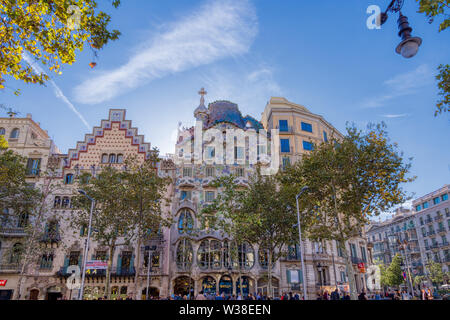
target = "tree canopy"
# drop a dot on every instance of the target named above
(349, 181)
(51, 31)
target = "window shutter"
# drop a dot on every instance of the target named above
(298, 251)
(29, 165)
(132, 263)
(80, 257)
(300, 276)
(119, 263)
(288, 275)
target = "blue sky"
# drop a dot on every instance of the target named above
(315, 53)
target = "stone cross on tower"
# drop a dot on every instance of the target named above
(202, 93)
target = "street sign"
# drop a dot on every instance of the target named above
(96, 265)
(3, 283)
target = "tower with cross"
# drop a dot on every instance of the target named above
(201, 113)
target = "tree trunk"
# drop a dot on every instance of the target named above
(137, 296)
(108, 271)
(350, 272)
(269, 268)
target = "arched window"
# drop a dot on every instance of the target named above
(184, 254)
(68, 179)
(215, 255)
(203, 255)
(246, 256)
(57, 202)
(226, 254)
(14, 134)
(112, 158)
(104, 158)
(65, 202)
(209, 255)
(16, 253)
(2, 131)
(185, 222)
(120, 158)
(209, 285)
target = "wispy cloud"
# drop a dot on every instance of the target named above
(393, 116)
(219, 29)
(58, 92)
(402, 85)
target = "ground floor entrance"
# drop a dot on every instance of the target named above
(183, 286)
(152, 293)
(6, 294)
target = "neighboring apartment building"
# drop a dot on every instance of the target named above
(28, 139)
(432, 214)
(397, 235)
(423, 232)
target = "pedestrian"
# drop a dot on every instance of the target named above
(201, 296)
(377, 295)
(362, 296)
(335, 294)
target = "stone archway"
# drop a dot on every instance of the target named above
(226, 285)
(248, 286)
(183, 285)
(153, 292)
(208, 285)
(34, 294)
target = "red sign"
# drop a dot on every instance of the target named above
(96, 264)
(3, 283)
(361, 267)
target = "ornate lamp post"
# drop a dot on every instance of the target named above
(409, 46)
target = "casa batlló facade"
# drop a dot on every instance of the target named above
(180, 262)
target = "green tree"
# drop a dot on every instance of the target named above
(145, 193)
(26, 206)
(111, 218)
(350, 181)
(394, 273)
(434, 272)
(16, 196)
(265, 203)
(433, 9)
(51, 32)
(444, 89)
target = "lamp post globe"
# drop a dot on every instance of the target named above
(409, 46)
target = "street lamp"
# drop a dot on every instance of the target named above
(305, 294)
(86, 247)
(409, 46)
